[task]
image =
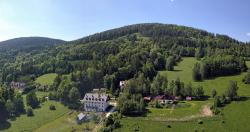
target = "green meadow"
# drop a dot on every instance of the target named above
(235, 118)
(184, 71)
(41, 117)
(46, 79)
(65, 123)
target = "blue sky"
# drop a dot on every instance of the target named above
(72, 19)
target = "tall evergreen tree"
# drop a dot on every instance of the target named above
(170, 63)
(197, 76)
(232, 90)
(74, 97)
(246, 79)
(3, 111)
(189, 90)
(32, 100)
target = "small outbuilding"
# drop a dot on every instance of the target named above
(122, 84)
(147, 99)
(81, 117)
(189, 98)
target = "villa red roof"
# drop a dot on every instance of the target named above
(159, 97)
(147, 98)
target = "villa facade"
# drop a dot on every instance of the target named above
(95, 102)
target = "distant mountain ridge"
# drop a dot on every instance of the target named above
(27, 42)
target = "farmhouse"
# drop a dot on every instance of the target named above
(164, 99)
(189, 98)
(159, 97)
(17, 85)
(95, 102)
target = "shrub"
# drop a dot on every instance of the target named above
(136, 129)
(216, 111)
(32, 100)
(94, 117)
(157, 104)
(29, 111)
(52, 96)
(42, 100)
(52, 107)
(214, 93)
(169, 126)
(117, 124)
(200, 122)
(107, 129)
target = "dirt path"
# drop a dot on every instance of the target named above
(205, 112)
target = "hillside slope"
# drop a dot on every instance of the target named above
(21, 47)
(123, 52)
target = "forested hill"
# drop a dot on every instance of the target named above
(124, 53)
(171, 36)
(28, 42)
(156, 30)
(25, 47)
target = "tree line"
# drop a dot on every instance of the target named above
(219, 65)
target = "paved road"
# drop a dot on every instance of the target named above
(110, 112)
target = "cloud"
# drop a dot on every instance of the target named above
(172, 0)
(248, 34)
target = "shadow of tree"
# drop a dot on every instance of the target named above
(4, 125)
(243, 98)
(177, 70)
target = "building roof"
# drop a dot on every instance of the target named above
(123, 83)
(81, 116)
(95, 97)
(159, 97)
(188, 98)
(147, 98)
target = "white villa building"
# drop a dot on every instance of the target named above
(95, 102)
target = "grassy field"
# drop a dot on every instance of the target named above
(45, 120)
(46, 79)
(66, 123)
(41, 117)
(234, 118)
(194, 108)
(184, 72)
(193, 111)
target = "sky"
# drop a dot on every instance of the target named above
(73, 19)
